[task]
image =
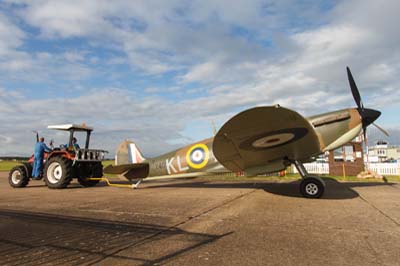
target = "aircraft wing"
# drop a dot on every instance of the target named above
(260, 139)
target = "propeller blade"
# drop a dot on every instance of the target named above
(368, 116)
(381, 129)
(354, 91)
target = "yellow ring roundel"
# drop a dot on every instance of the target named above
(197, 156)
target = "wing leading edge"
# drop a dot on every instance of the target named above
(262, 139)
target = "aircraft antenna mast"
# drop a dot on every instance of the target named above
(214, 128)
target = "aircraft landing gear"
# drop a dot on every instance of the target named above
(310, 186)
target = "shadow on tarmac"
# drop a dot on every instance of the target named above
(333, 190)
(39, 238)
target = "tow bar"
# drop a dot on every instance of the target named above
(133, 186)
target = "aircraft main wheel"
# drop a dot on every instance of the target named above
(312, 187)
(58, 172)
(18, 177)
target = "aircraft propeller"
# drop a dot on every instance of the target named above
(368, 116)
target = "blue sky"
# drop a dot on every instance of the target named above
(159, 72)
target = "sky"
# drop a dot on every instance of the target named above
(161, 72)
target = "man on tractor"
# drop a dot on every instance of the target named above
(74, 146)
(75, 143)
(40, 148)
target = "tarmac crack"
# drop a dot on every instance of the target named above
(224, 203)
(379, 210)
(374, 251)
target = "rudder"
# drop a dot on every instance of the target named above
(128, 153)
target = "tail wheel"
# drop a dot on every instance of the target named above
(96, 171)
(58, 172)
(18, 177)
(311, 187)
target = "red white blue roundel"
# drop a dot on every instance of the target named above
(197, 156)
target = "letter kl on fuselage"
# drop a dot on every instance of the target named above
(192, 158)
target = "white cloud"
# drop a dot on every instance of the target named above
(155, 36)
(63, 18)
(116, 115)
(11, 37)
(75, 56)
(202, 72)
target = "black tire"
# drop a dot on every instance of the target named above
(87, 183)
(312, 187)
(29, 168)
(18, 177)
(58, 172)
(95, 170)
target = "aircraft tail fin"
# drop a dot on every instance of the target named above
(128, 153)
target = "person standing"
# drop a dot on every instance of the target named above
(40, 148)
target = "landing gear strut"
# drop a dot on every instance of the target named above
(311, 186)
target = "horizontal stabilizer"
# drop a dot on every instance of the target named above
(130, 171)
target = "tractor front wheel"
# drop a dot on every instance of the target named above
(58, 172)
(18, 177)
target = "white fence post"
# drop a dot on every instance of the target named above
(379, 168)
(385, 168)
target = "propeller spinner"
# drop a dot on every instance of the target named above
(368, 116)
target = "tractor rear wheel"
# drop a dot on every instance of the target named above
(58, 172)
(18, 177)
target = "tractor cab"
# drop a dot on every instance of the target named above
(74, 153)
(72, 128)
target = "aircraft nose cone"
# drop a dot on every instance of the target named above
(369, 116)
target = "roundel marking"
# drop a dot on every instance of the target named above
(197, 156)
(273, 139)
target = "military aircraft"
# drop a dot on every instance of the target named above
(256, 141)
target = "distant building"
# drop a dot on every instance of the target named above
(382, 152)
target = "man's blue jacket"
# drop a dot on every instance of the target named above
(40, 148)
